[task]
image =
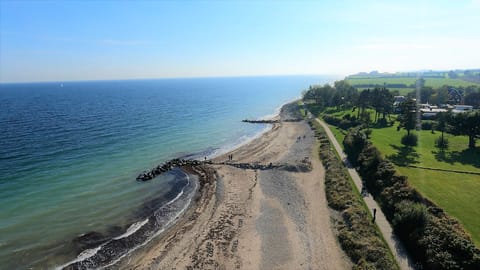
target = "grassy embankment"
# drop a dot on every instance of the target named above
(457, 193)
(359, 237)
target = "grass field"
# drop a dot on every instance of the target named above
(457, 193)
(432, 82)
(401, 91)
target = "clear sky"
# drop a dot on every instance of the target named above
(92, 40)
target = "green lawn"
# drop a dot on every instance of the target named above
(338, 133)
(457, 193)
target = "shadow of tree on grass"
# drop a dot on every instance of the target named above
(466, 157)
(405, 155)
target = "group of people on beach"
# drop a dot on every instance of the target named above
(230, 157)
(300, 137)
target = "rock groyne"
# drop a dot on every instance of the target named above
(262, 121)
(167, 166)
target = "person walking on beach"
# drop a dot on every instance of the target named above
(374, 214)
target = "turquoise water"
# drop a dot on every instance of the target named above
(70, 152)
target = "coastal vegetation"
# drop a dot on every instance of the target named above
(358, 236)
(411, 181)
(436, 240)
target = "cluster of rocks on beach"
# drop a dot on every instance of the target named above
(145, 176)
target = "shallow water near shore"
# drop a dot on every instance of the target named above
(70, 152)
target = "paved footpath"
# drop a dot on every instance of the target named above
(395, 245)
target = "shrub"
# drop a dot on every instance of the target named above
(428, 125)
(357, 235)
(332, 120)
(353, 143)
(382, 122)
(409, 219)
(368, 161)
(441, 142)
(434, 239)
(410, 140)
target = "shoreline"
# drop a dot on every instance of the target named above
(230, 224)
(84, 258)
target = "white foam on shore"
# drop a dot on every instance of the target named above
(243, 140)
(132, 229)
(82, 256)
(167, 225)
(135, 227)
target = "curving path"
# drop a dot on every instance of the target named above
(393, 243)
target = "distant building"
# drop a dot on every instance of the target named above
(428, 111)
(462, 108)
(397, 101)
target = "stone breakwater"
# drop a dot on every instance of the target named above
(167, 166)
(304, 165)
(270, 121)
(107, 249)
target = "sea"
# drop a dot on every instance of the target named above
(70, 153)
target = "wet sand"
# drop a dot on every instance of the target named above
(274, 218)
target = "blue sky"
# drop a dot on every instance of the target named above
(93, 40)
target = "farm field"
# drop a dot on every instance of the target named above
(432, 82)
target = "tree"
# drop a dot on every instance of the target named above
(426, 94)
(473, 99)
(376, 101)
(387, 102)
(441, 96)
(347, 93)
(363, 101)
(408, 116)
(442, 123)
(452, 74)
(466, 124)
(367, 121)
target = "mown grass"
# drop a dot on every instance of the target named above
(338, 133)
(359, 237)
(457, 193)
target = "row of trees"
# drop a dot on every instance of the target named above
(342, 95)
(427, 94)
(458, 124)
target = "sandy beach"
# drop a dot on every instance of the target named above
(271, 218)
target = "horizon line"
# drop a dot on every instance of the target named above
(171, 78)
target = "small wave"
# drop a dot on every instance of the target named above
(132, 229)
(243, 140)
(140, 227)
(82, 256)
(187, 204)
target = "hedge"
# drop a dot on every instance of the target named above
(434, 239)
(358, 236)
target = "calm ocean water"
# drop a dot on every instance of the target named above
(70, 153)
